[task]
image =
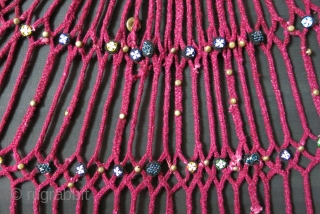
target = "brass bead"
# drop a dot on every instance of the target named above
(208, 49)
(309, 51)
(137, 169)
(265, 158)
(232, 45)
(233, 101)
(206, 162)
(66, 113)
(178, 82)
(242, 43)
(122, 116)
(125, 49)
(70, 185)
(20, 166)
(16, 21)
(33, 103)
(235, 168)
(45, 34)
(101, 169)
(291, 28)
(316, 92)
(229, 72)
(177, 113)
(1, 160)
(173, 168)
(173, 50)
(301, 148)
(78, 44)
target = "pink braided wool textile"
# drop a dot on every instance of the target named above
(180, 26)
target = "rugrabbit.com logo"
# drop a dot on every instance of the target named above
(45, 196)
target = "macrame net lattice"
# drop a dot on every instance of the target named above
(173, 24)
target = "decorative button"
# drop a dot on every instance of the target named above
(25, 30)
(256, 37)
(136, 55)
(153, 168)
(220, 163)
(130, 24)
(112, 47)
(43, 168)
(219, 43)
(252, 159)
(64, 39)
(318, 141)
(192, 167)
(189, 52)
(307, 21)
(147, 48)
(81, 169)
(285, 155)
(118, 170)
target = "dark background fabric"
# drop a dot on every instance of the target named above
(69, 141)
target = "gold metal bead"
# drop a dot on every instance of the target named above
(291, 28)
(265, 158)
(177, 113)
(66, 113)
(130, 24)
(309, 51)
(229, 72)
(45, 34)
(20, 166)
(316, 92)
(16, 21)
(173, 50)
(301, 148)
(1, 160)
(206, 162)
(101, 169)
(173, 168)
(70, 185)
(33, 103)
(232, 45)
(242, 43)
(233, 101)
(178, 82)
(122, 116)
(235, 168)
(137, 169)
(208, 49)
(125, 49)
(78, 44)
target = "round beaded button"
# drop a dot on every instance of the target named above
(318, 141)
(64, 39)
(25, 30)
(81, 169)
(307, 21)
(192, 167)
(43, 168)
(118, 170)
(285, 155)
(189, 52)
(252, 159)
(219, 43)
(220, 163)
(256, 37)
(147, 48)
(112, 47)
(136, 55)
(153, 168)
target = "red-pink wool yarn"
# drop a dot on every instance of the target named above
(178, 12)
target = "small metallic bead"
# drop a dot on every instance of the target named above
(265, 158)
(137, 169)
(309, 51)
(70, 185)
(229, 72)
(301, 148)
(101, 169)
(173, 50)
(232, 45)
(1, 160)
(178, 82)
(208, 49)
(233, 101)
(291, 28)
(20, 166)
(33, 103)
(206, 162)
(177, 113)
(173, 168)
(316, 92)
(242, 43)
(78, 44)
(45, 34)
(66, 113)
(122, 116)
(235, 168)
(125, 49)
(16, 21)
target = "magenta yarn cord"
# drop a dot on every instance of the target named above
(170, 32)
